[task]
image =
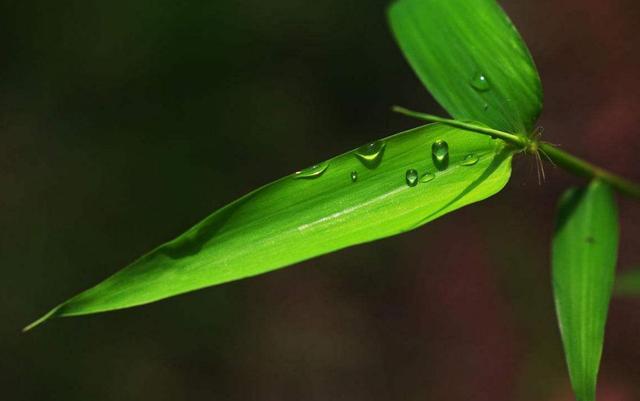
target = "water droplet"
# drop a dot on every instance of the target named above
(470, 160)
(354, 176)
(371, 154)
(313, 171)
(427, 176)
(480, 83)
(485, 107)
(440, 154)
(411, 177)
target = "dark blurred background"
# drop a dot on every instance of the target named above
(124, 122)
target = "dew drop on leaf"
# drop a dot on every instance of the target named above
(480, 83)
(371, 154)
(427, 176)
(440, 154)
(411, 177)
(354, 176)
(470, 160)
(313, 171)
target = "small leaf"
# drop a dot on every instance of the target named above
(585, 247)
(628, 284)
(315, 211)
(471, 58)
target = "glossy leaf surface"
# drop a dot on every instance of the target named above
(585, 247)
(471, 58)
(400, 183)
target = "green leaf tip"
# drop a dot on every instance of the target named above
(584, 253)
(49, 315)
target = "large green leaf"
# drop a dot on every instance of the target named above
(472, 60)
(585, 248)
(313, 213)
(628, 283)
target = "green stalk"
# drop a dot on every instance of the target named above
(518, 141)
(585, 169)
(557, 156)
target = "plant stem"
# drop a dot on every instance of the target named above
(557, 156)
(585, 169)
(518, 141)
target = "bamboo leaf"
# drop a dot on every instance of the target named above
(471, 58)
(628, 284)
(584, 254)
(379, 190)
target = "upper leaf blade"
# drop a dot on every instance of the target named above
(471, 58)
(305, 215)
(584, 253)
